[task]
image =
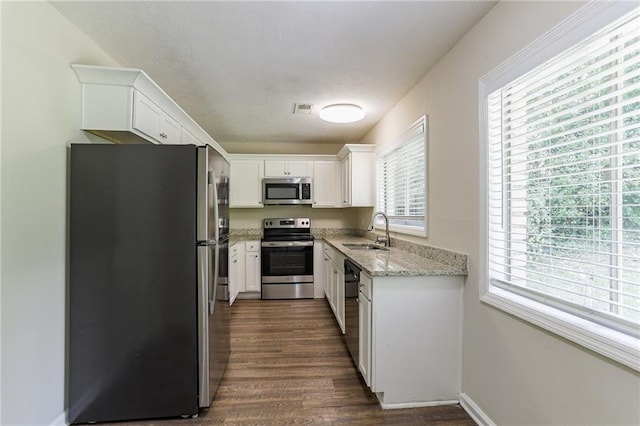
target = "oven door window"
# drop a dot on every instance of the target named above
(286, 261)
(282, 191)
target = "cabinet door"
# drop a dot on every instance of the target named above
(240, 268)
(252, 271)
(252, 266)
(246, 183)
(149, 119)
(146, 116)
(346, 180)
(233, 276)
(326, 184)
(285, 168)
(170, 130)
(326, 278)
(300, 168)
(275, 168)
(361, 191)
(188, 138)
(340, 296)
(364, 362)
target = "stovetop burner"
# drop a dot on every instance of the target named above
(287, 229)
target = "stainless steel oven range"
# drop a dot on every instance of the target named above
(287, 259)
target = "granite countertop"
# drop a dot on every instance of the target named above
(398, 262)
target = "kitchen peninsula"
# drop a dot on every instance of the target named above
(410, 317)
(409, 313)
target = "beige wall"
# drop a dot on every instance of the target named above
(516, 373)
(320, 218)
(40, 115)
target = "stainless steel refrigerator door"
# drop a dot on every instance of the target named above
(213, 321)
(207, 255)
(219, 339)
(207, 216)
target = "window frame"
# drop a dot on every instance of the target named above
(389, 148)
(601, 339)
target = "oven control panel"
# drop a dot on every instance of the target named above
(289, 222)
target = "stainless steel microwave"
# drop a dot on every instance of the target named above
(286, 190)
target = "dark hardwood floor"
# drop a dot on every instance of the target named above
(289, 365)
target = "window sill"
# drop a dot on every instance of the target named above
(402, 230)
(610, 343)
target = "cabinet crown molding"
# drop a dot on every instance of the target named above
(355, 147)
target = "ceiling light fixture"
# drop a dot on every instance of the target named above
(342, 113)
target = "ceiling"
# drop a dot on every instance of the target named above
(239, 67)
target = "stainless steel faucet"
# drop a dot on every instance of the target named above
(386, 240)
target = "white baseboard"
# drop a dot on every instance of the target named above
(396, 406)
(61, 420)
(475, 411)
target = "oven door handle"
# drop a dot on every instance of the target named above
(286, 243)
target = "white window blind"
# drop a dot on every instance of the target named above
(401, 181)
(564, 180)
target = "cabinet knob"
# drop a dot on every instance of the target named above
(163, 135)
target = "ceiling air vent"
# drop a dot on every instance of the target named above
(302, 108)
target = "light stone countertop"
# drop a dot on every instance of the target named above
(403, 259)
(398, 262)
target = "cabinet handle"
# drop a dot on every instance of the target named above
(163, 135)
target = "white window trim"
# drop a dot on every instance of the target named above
(389, 147)
(610, 343)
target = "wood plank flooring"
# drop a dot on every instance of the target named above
(289, 365)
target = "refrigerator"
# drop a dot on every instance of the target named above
(148, 298)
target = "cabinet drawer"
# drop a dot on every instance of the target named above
(328, 251)
(253, 246)
(365, 285)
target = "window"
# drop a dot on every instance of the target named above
(401, 171)
(563, 192)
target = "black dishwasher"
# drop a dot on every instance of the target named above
(351, 306)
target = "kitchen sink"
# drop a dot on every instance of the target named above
(354, 246)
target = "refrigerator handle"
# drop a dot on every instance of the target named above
(216, 272)
(216, 218)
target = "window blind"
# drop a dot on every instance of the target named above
(401, 179)
(564, 180)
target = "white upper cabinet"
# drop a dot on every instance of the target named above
(343, 180)
(125, 106)
(326, 184)
(188, 138)
(280, 168)
(245, 183)
(149, 119)
(358, 175)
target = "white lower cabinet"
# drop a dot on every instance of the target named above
(327, 277)
(334, 283)
(318, 269)
(410, 339)
(252, 266)
(236, 278)
(364, 321)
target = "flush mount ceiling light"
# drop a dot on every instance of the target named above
(342, 113)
